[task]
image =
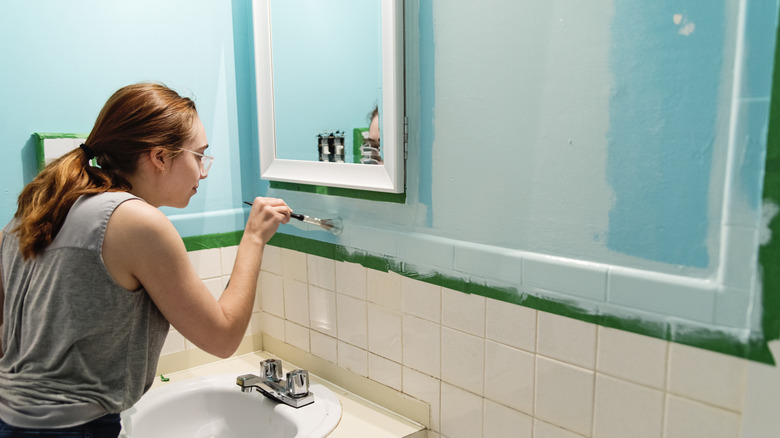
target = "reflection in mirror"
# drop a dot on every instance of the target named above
(327, 75)
(330, 92)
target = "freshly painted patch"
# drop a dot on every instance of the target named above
(664, 109)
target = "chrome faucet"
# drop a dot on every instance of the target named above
(292, 391)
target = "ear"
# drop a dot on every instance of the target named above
(158, 157)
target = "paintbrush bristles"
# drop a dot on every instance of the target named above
(332, 225)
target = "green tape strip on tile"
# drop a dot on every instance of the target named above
(769, 254)
(398, 198)
(756, 349)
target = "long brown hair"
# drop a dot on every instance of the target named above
(134, 120)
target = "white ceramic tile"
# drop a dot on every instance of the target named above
(421, 299)
(324, 346)
(762, 397)
(384, 288)
(322, 272)
(567, 339)
(511, 324)
(296, 335)
(509, 376)
(384, 371)
(227, 257)
(273, 326)
(501, 421)
(294, 265)
(206, 262)
(632, 357)
(384, 332)
(665, 294)
(353, 358)
(351, 280)
(377, 241)
(174, 343)
(352, 323)
(489, 261)
(463, 360)
(296, 302)
(214, 285)
(461, 413)
(543, 429)
(426, 388)
(272, 260)
(564, 395)
(322, 311)
(465, 312)
(741, 262)
(255, 326)
(426, 250)
(706, 376)
(733, 307)
(690, 419)
(566, 276)
(624, 409)
(271, 293)
(422, 345)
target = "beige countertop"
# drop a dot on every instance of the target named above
(360, 417)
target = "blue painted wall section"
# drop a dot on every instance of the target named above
(427, 105)
(663, 119)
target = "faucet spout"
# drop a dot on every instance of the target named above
(292, 391)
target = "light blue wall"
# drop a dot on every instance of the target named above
(327, 71)
(616, 136)
(62, 60)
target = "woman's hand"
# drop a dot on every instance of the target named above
(265, 216)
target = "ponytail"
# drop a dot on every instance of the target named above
(135, 119)
(45, 202)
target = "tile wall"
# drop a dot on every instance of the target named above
(487, 368)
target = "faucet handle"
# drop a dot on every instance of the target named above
(271, 369)
(298, 383)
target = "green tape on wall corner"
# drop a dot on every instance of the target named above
(40, 141)
(769, 254)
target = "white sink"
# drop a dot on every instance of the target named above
(214, 406)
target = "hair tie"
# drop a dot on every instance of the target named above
(87, 151)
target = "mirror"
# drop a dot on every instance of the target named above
(320, 73)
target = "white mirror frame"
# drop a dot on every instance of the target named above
(382, 178)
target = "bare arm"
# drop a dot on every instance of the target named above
(142, 247)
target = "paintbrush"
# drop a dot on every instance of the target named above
(332, 225)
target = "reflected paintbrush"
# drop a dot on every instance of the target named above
(333, 225)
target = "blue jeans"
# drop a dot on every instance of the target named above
(107, 426)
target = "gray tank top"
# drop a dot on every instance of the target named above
(76, 345)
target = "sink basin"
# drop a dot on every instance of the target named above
(214, 406)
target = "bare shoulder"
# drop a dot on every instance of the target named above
(139, 237)
(137, 222)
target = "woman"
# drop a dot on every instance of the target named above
(93, 273)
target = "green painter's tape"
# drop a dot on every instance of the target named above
(398, 198)
(41, 136)
(209, 241)
(755, 349)
(769, 254)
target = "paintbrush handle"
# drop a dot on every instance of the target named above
(332, 225)
(300, 217)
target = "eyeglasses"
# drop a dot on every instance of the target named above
(205, 162)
